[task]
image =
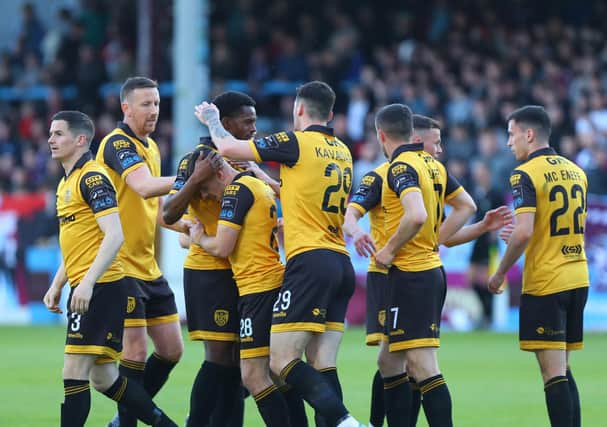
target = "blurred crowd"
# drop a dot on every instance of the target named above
(467, 64)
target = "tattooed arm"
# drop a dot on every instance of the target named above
(227, 145)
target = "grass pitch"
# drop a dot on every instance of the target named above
(492, 382)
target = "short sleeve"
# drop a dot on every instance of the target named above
(236, 201)
(120, 154)
(453, 187)
(368, 194)
(523, 192)
(98, 192)
(402, 178)
(281, 147)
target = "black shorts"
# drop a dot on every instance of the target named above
(377, 286)
(98, 331)
(150, 302)
(414, 304)
(553, 322)
(315, 292)
(255, 323)
(210, 304)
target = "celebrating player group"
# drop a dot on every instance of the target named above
(273, 330)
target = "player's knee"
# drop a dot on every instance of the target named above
(250, 379)
(171, 354)
(134, 346)
(101, 382)
(277, 364)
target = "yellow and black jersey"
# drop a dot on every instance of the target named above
(207, 212)
(553, 188)
(121, 152)
(83, 196)
(316, 179)
(249, 205)
(368, 199)
(412, 169)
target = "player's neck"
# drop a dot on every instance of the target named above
(68, 163)
(536, 146)
(139, 134)
(306, 122)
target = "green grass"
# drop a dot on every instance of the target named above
(492, 383)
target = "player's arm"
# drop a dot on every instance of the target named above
(261, 174)
(53, 294)
(110, 245)
(463, 208)
(524, 199)
(413, 219)
(362, 240)
(281, 147)
(404, 181)
(121, 155)
(184, 240)
(492, 221)
(367, 197)
(146, 185)
(235, 204)
(179, 225)
(517, 244)
(99, 193)
(184, 189)
(227, 145)
(221, 245)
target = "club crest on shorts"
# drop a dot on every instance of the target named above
(221, 317)
(130, 304)
(381, 317)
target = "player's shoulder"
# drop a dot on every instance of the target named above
(381, 169)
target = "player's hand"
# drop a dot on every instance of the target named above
(495, 283)
(196, 232)
(206, 112)
(506, 232)
(497, 218)
(81, 298)
(364, 244)
(384, 257)
(51, 299)
(204, 168)
(280, 223)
